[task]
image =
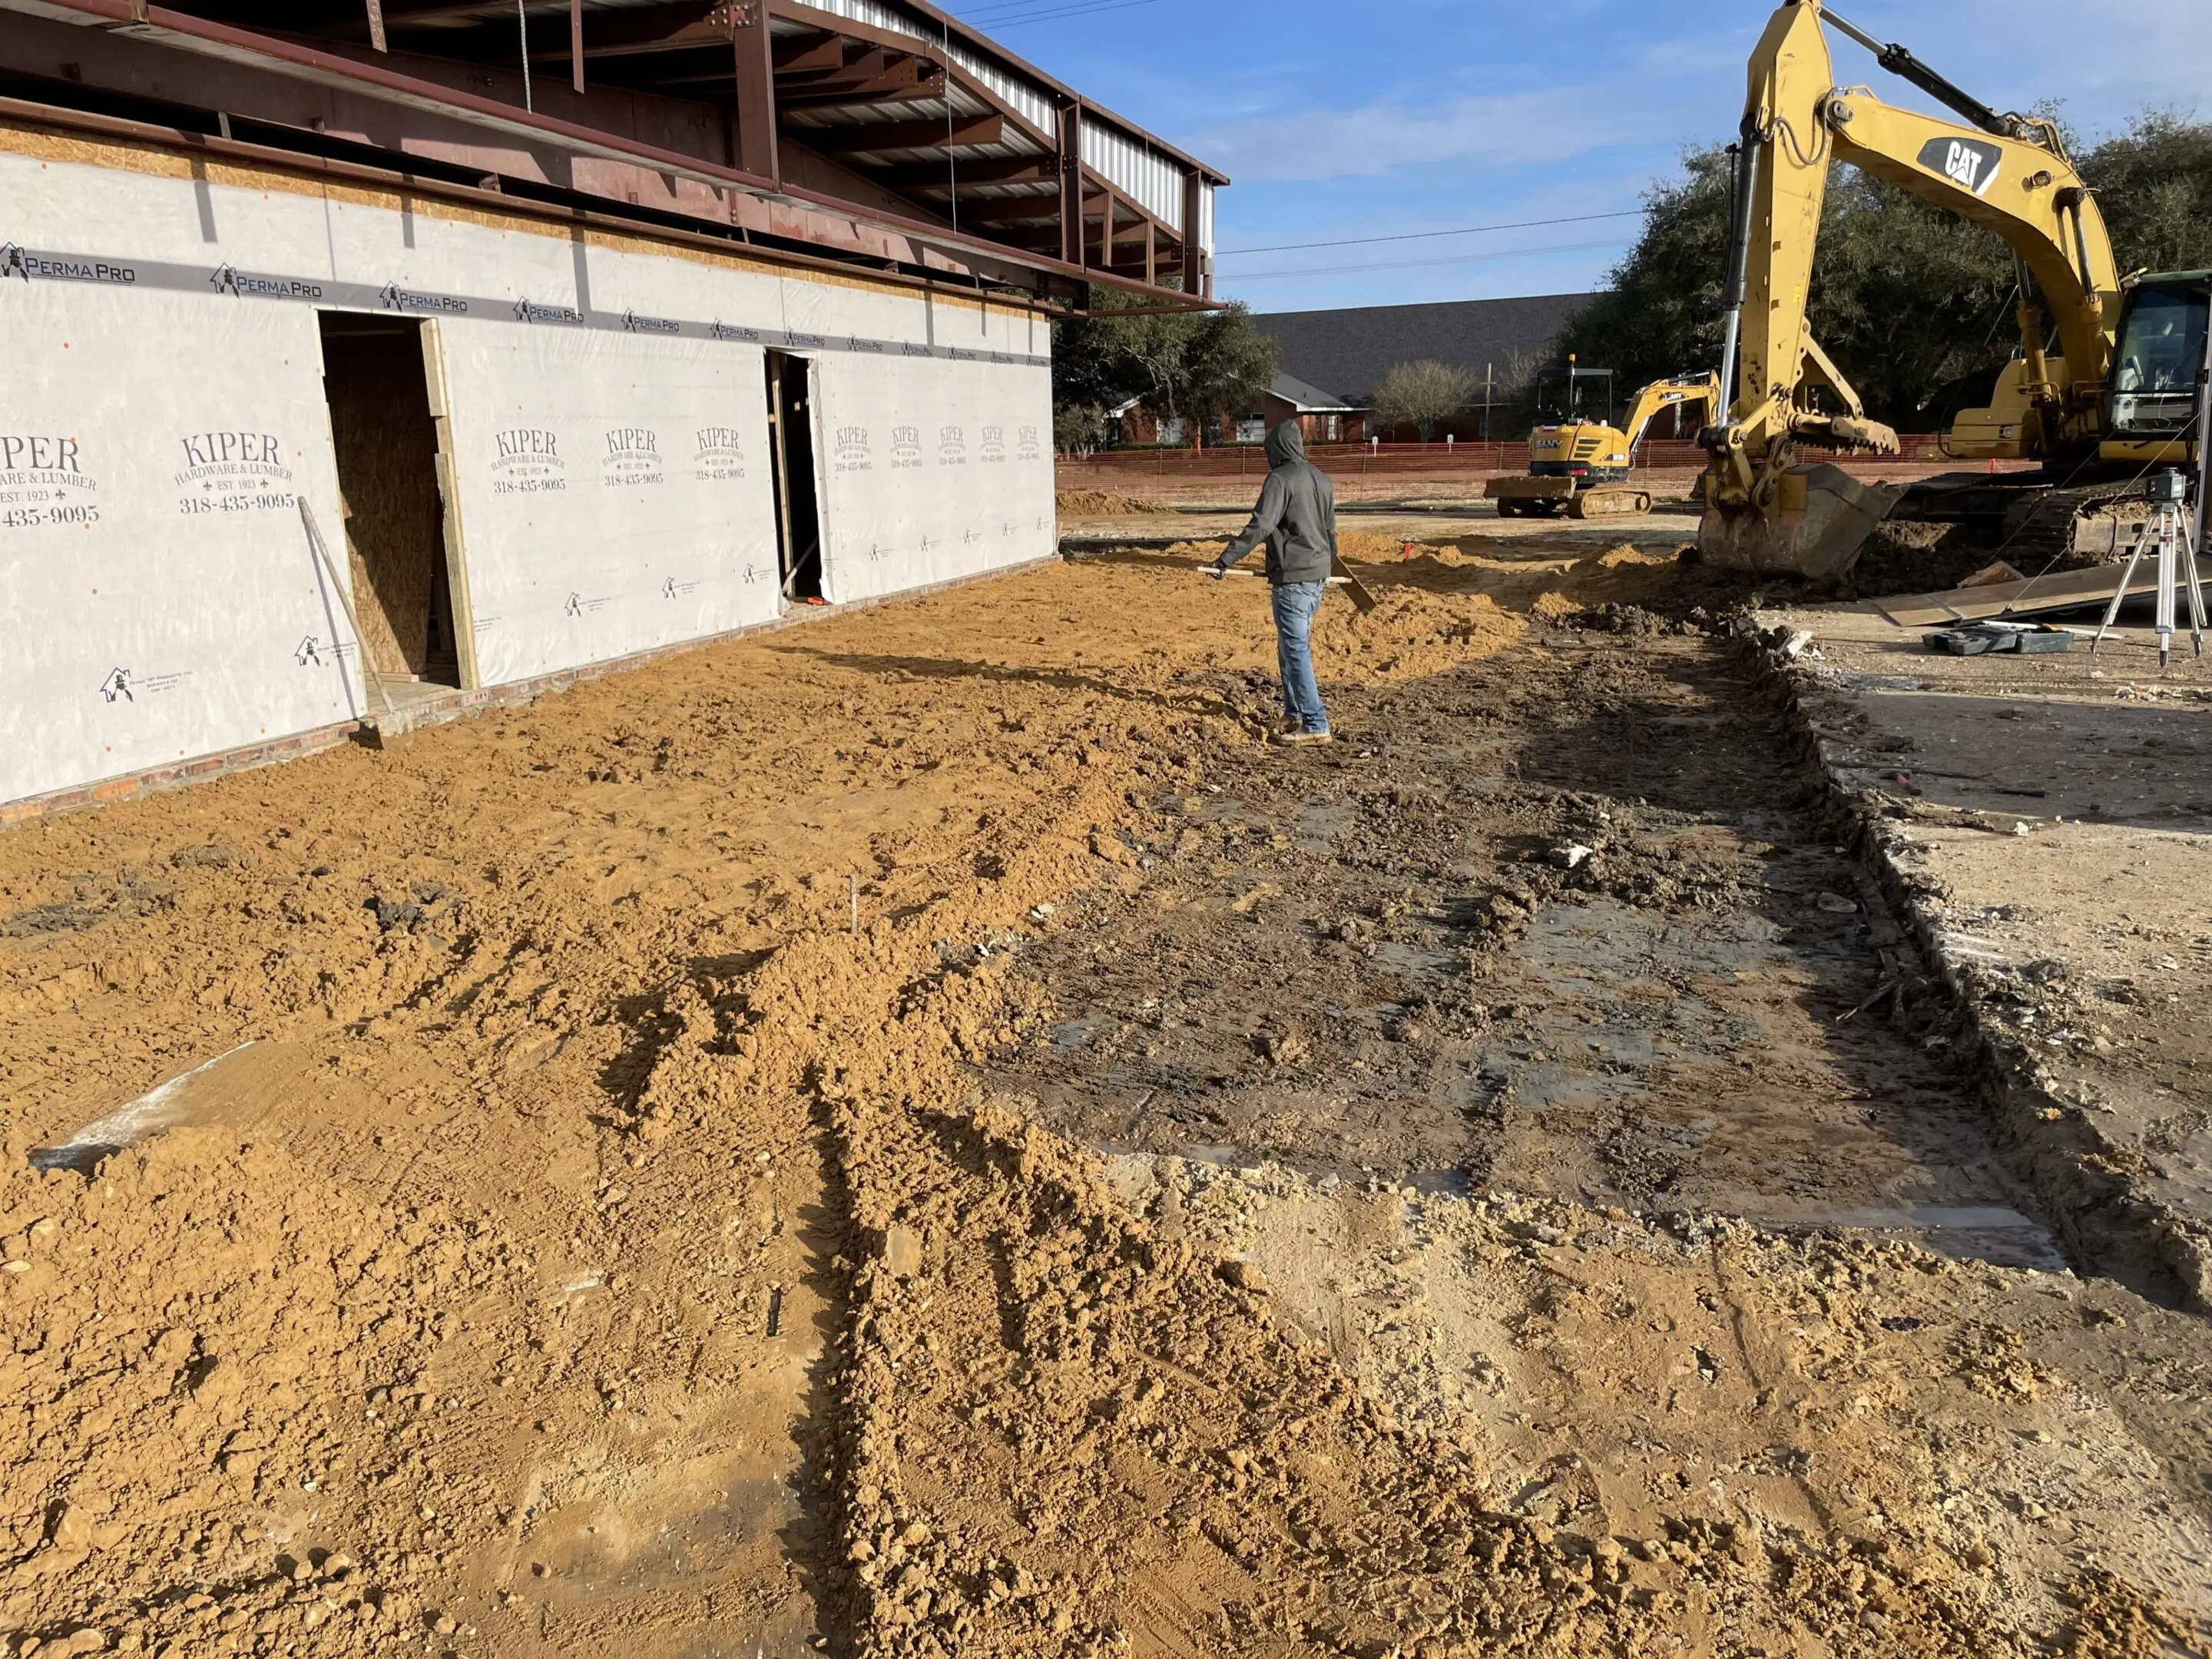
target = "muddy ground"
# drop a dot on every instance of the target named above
(920, 1133)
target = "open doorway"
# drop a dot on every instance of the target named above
(798, 512)
(395, 529)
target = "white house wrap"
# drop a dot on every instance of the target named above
(607, 474)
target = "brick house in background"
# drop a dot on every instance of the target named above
(1323, 417)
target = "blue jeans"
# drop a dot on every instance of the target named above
(1295, 604)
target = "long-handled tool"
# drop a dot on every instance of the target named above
(1355, 589)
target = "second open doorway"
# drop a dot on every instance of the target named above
(798, 510)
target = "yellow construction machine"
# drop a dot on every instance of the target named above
(1767, 508)
(1579, 461)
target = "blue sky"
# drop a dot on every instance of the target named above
(1345, 119)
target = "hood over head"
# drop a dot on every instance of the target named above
(1286, 444)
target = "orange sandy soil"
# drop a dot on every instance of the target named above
(586, 1241)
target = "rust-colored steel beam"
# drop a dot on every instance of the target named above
(798, 11)
(756, 89)
(799, 53)
(1068, 158)
(1194, 251)
(976, 170)
(297, 60)
(905, 135)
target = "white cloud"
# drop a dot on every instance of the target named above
(1664, 91)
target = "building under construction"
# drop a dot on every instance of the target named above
(374, 354)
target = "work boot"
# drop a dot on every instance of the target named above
(1304, 739)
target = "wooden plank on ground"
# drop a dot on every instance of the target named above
(2032, 597)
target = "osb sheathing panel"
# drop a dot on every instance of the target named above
(48, 143)
(387, 454)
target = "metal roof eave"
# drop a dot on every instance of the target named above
(220, 40)
(799, 11)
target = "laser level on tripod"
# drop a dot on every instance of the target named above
(2166, 530)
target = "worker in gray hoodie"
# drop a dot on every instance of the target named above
(1297, 518)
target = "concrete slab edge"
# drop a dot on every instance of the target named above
(373, 728)
(2108, 1223)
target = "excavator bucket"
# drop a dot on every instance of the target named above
(1818, 520)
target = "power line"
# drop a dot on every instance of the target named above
(1425, 235)
(1449, 259)
(1011, 14)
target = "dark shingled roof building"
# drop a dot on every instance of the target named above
(1349, 351)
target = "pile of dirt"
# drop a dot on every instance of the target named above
(1410, 635)
(1104, 504)
(1365, 547)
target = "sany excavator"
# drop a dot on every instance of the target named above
(2095, 415)
(1579, 464)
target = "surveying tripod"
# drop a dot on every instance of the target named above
(2167, 532)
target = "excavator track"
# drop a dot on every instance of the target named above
(1608, 502)
(2026, 522)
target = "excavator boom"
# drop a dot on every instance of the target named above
(2009, 173)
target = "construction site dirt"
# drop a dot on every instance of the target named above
(921, 1133)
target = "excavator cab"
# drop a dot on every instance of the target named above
(1574, 436)
(1572, 394)
(2158, 353)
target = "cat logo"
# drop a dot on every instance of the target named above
(1968, 163)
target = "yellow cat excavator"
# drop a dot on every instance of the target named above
(1767, 508)
(1578, 462)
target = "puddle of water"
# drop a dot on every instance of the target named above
(1081, 1031)
(1320, 822)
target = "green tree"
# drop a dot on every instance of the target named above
(1077, 429)
(1421, 394)
(2154, 184)
(1914, 305)
(1190, 362)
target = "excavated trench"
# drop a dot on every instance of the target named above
(1566, 923)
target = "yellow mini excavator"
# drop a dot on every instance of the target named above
(1579, 461)
(2096, 413)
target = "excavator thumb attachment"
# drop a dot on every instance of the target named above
(1815, 525)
